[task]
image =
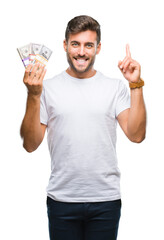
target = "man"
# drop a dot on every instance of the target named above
(80, 108)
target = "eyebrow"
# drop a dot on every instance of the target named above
(90, 43)
(74, 42)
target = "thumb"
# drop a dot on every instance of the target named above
(119, 64)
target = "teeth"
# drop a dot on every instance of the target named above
(81, 60)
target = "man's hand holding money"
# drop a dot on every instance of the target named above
(33, 78)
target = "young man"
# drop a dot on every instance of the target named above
(80, 108)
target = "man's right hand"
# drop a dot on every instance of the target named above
(33, 78)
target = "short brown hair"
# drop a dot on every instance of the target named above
(83, 23)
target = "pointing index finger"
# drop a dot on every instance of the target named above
(128, 54)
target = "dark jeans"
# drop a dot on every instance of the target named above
(83, 221)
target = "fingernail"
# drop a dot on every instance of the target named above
(121, 66)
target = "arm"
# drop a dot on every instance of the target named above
(133, 120)
(32, 131)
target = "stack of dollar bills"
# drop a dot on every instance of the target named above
(32, 53)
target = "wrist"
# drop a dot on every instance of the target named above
(34, 97)
(139, 84)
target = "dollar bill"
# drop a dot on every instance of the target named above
(43, 56)
(24, 53)
(35, 49)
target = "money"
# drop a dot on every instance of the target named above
(35, 49)
(24, 54)
(34, 52)
(43, 55)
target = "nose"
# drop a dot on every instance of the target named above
(81, 50)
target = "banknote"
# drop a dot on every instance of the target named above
(34, 50)
(43, 56)
(24, 53)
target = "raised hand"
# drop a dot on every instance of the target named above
(130, 68)
(33, 78)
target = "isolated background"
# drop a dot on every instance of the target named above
(24, 176)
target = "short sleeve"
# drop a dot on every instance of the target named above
(122, 99)
(43, 109)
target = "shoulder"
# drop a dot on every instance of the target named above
(52, 81)
(115, 83)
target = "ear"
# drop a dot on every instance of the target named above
(65, 45)
(98, 48)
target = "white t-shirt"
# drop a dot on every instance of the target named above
(80, 115)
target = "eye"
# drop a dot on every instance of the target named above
(89, 45)
(75, 44)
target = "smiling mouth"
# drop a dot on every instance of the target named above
(81, 60)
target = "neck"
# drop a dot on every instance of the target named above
(75, 74)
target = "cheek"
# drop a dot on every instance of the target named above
(93, 53)
(72, 51)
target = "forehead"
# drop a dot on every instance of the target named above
(82, 37)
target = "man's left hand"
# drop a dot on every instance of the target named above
(130, 69)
